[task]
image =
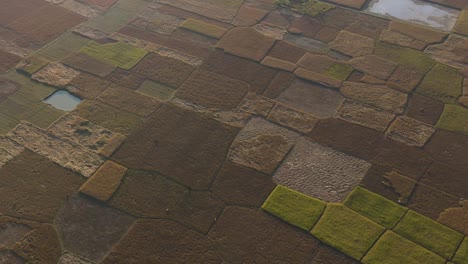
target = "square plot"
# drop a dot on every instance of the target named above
(55, 74)
(241, 186)
(224, 11)
(454, 118)
(247, 43)
(375, 207)
(410, 131)
(108, 116)
(212, 90)
(462, 254)
(320, 171)
(294, 207)
(429, 234)
(73, 128)
(32, 64)
(392, 248)
(128, 100)
(203, 28)
(7, 87)
(262, 145)
(379, 96)
(26, 102)
(15, 110)
(86, 63)
(329, 255)
(127, 79)
(166, 70)
(46, 23)
(157, 90)
(30, 89)
(111, 21)
(89, 228)
(8, 61)
(119, 54)
(311, 98)
(67, 154)
(62, 47)
(181, 144)
(347, 231)
(249, 235)
(13, 9)
(431, 202)
(7, 123)
(407, 57)
(46, 116)
(35, 187)
(87, 86)
(256, 75)
(102, 3)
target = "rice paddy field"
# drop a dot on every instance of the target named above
(233, 131)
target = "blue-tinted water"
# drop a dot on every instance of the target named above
(63, 100)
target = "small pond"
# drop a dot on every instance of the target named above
(63, 100)
(417, 11)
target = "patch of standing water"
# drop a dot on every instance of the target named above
(417, 11)
(63, 100)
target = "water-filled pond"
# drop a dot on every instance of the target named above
(63, 100)
(417, 11)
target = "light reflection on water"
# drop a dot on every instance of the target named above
(63, 100)
(417, 11)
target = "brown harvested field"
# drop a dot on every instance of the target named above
(45, 23)
(232, 131)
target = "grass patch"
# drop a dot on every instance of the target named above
(294, 207)
(462, 254)
(462, 23)
(131, 5)
(392, 248)
(226, 3)
(314, 8)
(203, 28)
(63, 46)
(15, 110)
(429, 234)
(32, 64)
(339, 71)
(454, 118)
(112, 20)
(104, 181)
(7, 123)
(408, 57)
(346, 230)
(24, 101)
(375, 207)
(442, 83)
(119, 54)
(31, 90)
(309, 7)
(46, 116)
(108, 116)
(157, 90)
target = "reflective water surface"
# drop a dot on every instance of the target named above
(63, 100)
(417, 11)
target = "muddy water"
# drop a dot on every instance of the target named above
(417, 11)
(63, 100)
